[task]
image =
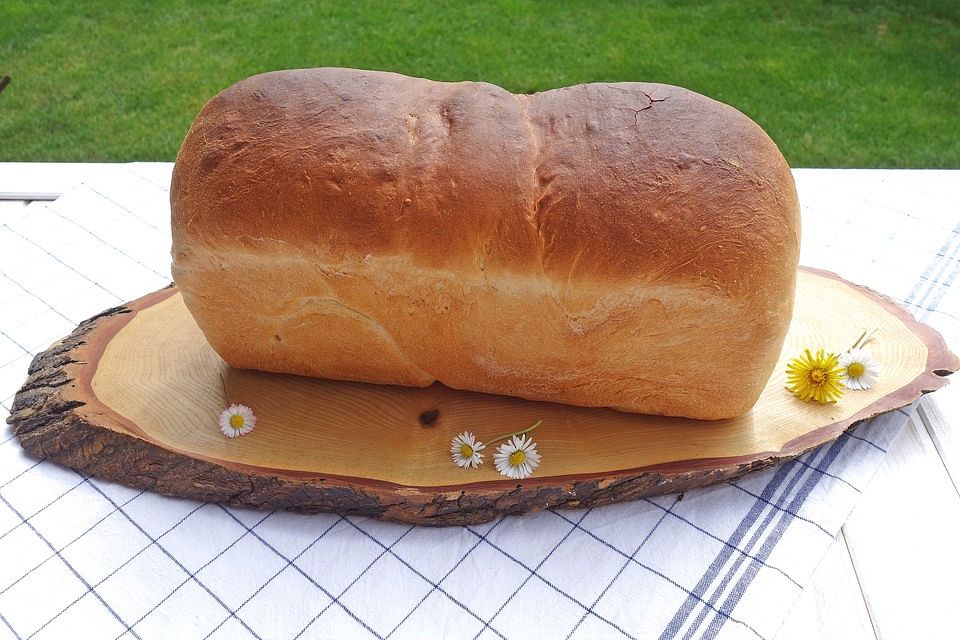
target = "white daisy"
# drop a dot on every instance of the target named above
(862, 369)
(517, 458)
(465, 451)
(237, 420)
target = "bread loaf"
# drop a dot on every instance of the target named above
(622, 245)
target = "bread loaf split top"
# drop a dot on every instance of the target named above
(623, 245)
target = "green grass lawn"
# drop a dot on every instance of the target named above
(834, 83)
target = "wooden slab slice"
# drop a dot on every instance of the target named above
(133, 395)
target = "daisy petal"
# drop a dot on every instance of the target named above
(236, 420)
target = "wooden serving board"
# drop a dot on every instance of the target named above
(133, 395)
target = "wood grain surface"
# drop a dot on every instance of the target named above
(133, 395)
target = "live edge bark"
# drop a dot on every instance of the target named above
(48, 425)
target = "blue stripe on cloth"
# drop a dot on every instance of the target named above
(69, 566)
(758, 534)
(164, 551)
(533, 572)
(21, 473)
(848, 434)
(711, 573)
(626, 564)
(85, 277)
(112, 573)
(730, 603)
(639, 564)
(718, 538)
(761, 531)
(333, 599)
(782, 508)
(945, 314)
(420, 575)
(66, 546)
(10, 626)
(336, 599)
(35, 297)
(445, 576)
(19, 356)
(944, 286)
(104, 242)
(22, 348)
(560, 591)
(111, 200)
(755, 538)
(189, 577)
(41, 509)
(832, 477)
(927, 276)
(8, 403)
(282, 569)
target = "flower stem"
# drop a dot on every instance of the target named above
(859, 338)
(862, 341)
(517, 433)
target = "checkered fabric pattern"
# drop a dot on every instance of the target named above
(80, 557)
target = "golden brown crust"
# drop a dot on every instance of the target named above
(628, 245)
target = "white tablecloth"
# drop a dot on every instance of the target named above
(80, 557)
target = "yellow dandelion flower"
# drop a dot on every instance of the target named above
(816, 377)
